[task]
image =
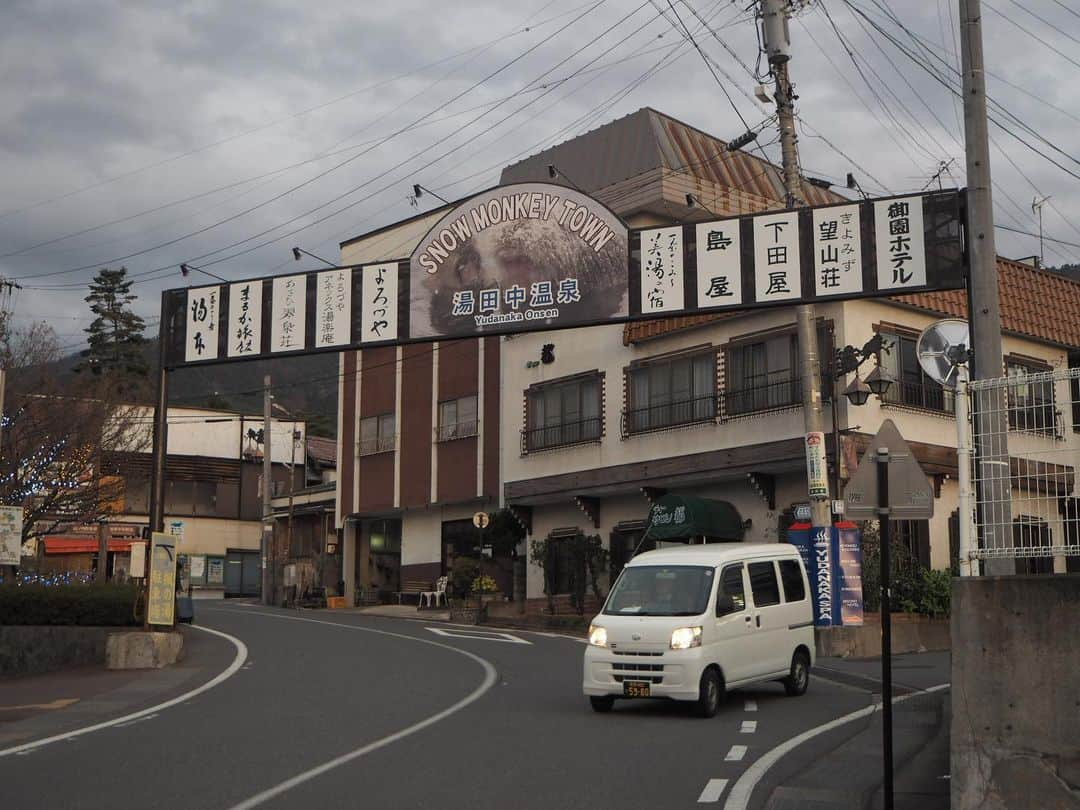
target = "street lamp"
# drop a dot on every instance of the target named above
(844, 361)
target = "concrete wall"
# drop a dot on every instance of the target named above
(1016, 692)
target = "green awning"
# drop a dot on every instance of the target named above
(680, 517)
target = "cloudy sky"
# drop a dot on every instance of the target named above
(223, 133)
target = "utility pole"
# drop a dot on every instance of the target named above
(777, 40)
(991, 451)
(1037, 207)
(267, 525)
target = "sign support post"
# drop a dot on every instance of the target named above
(886, 624)
(159, 448)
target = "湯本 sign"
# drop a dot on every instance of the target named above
(161, 606)
(534, 256)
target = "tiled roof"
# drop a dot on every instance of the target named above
(648, 139)
(322, 450)
(1034, 303)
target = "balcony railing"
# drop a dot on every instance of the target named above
(669, 414)
(924, 396)
(768, 397)
(457, 430)
(561, 435)
(383, 444)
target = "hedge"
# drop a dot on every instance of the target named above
(87, 605)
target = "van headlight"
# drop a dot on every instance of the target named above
(597, 636)
(686, 637)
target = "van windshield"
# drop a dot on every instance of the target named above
(661, 590)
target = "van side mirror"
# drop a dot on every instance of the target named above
(725, 604)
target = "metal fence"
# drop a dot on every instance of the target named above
(1027, 504)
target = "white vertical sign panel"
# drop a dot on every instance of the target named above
(11, 527)
(662, 270)
(245, 318)
(901, 249)
(837, 250)
(202, 324)
(333, 307)
(379, 307)
(719, 264)
(287, 313)
(777, 274)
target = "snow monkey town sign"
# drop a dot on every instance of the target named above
(536, 256)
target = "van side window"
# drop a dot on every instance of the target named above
(763, 583)
(731, 584)
(791, 576)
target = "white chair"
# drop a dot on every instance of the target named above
(431, 598)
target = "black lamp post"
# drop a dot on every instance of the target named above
(858, 391)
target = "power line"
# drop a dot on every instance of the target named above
(293, 116)
(322, 174)
(1033, 35)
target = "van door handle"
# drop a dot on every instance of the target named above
(758, 620)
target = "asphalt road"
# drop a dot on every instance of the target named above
(339, 710)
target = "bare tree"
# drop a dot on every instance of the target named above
(60, 436)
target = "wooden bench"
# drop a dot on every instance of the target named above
(413, 587)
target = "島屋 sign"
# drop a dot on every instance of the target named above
(536, 256)
(523, 255)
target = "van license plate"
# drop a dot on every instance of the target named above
(635, 689)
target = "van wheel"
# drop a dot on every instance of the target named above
(602, 703)
(710, 693)
(795, 684)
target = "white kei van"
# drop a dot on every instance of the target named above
(687, 623)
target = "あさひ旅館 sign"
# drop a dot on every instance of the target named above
(519, 256)
(534, 256)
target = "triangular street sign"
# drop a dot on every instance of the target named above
(911, 494)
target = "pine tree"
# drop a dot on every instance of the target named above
(115, 342)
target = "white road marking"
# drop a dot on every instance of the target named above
(480, 635)
(137, 720)
(714, 788)
(748, 727)
(751, 705)
(739, 798)
(490, 678)
(221, 677)
(736, 753)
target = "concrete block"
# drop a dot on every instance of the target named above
(1015, 657)
(143, 650)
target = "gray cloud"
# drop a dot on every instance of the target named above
(97, 90)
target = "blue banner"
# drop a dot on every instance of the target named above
(833, 560)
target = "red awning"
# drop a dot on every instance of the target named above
(60, 544)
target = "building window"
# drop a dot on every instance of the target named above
(912, 387)
(563, 413)
(1031, 402)
(457, 419)
(377, 434)
(665, 393)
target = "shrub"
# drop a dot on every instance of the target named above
(87, 605)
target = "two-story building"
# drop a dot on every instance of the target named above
(579, 430)
(213, 495)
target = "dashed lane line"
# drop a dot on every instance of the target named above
(714, 789)
(743, 789)
(751, 705)
(748, 727)
(736, 753)
(221, 677)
